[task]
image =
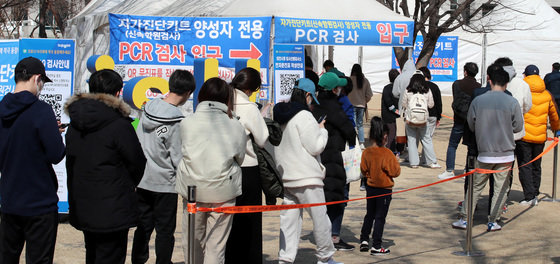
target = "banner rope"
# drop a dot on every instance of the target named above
(268, 208)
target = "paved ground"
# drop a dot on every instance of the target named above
(418, 228)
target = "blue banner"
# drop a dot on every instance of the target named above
(177, 41)
(443, 64)
(342, 32)
(9, 54)
(289, 66)
(58, 57)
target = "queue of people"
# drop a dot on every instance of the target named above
(119, 178)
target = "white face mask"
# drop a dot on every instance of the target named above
(39, 85)
(337, 91)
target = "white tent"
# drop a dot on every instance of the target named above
(90, 27)
(527, 32)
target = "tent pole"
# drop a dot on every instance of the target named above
(483, 66)
(331, 52)
(272, 90)
(360, 55)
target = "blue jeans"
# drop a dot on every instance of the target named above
(454, 139)
(337, 220)
(359, 120)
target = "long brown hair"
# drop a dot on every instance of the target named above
(216, 89)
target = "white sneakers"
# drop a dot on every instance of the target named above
(362, 146)
(532, 202)
(330, 261)
(434, 166)
(446, 175)
(493, 226)
(460, 224)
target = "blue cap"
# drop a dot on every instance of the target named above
(308, 86)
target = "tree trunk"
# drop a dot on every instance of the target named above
(42, 18)
(427, 51)
(54, 10)
(401, 54)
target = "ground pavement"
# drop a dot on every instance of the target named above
(418, 228)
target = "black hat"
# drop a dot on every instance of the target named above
(531, 70)
(31, 65)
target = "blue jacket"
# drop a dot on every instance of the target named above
(347, 107)
(552, 82)
(29, 144)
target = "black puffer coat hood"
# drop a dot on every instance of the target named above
(104, 162)
(284, 112)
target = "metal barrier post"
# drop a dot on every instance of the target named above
(470, 215)
(191, 200)
(554, 174)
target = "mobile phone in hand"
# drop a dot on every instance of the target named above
(64, 125)
(321, 119)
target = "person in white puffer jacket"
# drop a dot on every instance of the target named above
(521, 91)
(245, 240)
(298, 161)
(518, 88)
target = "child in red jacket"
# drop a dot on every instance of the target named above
(379, 166)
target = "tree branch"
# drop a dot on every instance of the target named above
(404, 7)
(453, 17)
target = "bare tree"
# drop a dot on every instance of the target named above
(46, 14)
(12, 12)
(432, 18)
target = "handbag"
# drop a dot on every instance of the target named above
(352, 159)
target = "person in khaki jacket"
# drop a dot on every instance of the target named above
(213, 147)
(532, 144)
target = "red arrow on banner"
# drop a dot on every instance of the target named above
(252, 53)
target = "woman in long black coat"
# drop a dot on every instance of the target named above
(340, 130)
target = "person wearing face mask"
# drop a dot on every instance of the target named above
(298, 161)
(341, 131)
(30, 143)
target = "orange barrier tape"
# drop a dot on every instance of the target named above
(378, 110)
(266, 208)
(191, 208)
(446, 116)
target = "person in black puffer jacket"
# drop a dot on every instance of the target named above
(105, 163)
(340, 131)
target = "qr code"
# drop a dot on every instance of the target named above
(55, 101)
(287, 83)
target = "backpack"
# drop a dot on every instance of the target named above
(416, 112)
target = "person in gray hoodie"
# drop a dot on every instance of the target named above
(159, 134)
(494, 117)
(402, 81)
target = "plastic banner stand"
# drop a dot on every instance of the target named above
(100, 62)
(252, 63)
(204, 69)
